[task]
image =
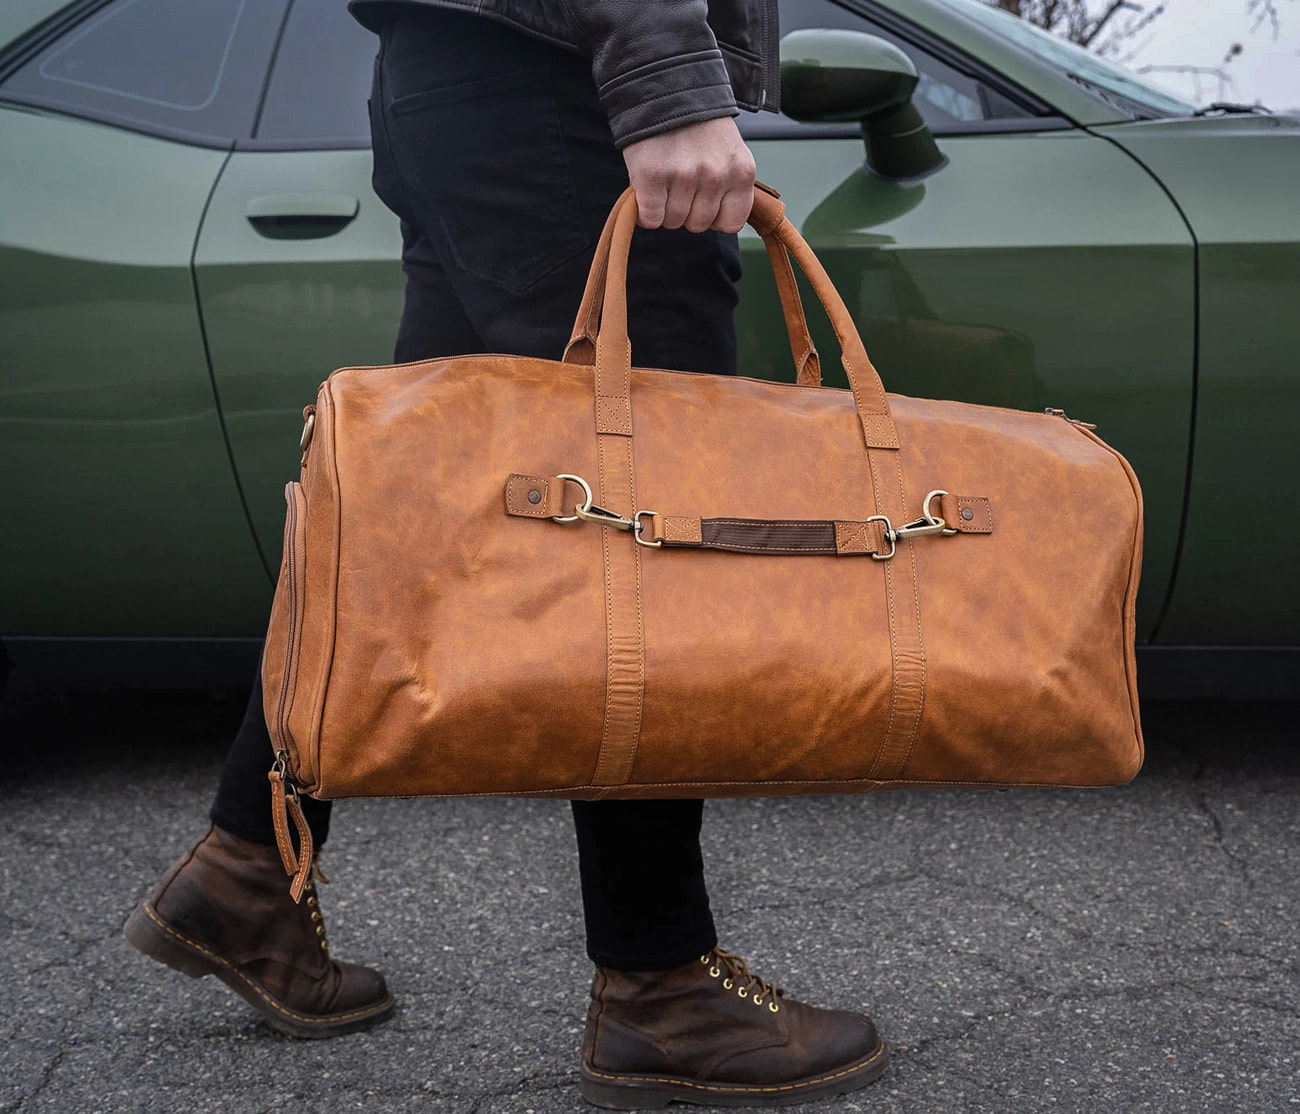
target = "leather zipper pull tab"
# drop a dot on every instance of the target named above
(285, 804)
(305, 851)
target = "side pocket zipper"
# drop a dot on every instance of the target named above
(294, 560)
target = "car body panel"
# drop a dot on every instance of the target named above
(1054, 267)
(119, 510)
(17, 17)
(1239, 576)
(281, 314)
(1078, 295)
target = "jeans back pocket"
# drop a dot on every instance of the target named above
(488, 159)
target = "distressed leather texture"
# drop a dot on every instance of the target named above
(732, 1039)
(222, 909)
(657, 64)
(425, 641)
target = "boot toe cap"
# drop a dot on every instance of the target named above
(360, 988)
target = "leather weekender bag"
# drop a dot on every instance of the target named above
(579, 578)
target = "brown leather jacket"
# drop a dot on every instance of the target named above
(658, 64)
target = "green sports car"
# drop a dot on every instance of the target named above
(189, 244)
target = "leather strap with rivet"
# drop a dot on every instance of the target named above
(876, 536)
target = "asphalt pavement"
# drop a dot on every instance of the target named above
(1120, 950)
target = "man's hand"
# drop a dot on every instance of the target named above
(700, 176)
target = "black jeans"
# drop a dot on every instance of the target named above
(494, 151)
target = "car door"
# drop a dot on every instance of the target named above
(297, 261)
(1041, 267)
(1234, 177)
(119, 511)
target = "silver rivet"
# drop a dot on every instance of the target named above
(967, 513)
(534, 496)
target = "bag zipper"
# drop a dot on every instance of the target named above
(1052, 411)
(291, 565)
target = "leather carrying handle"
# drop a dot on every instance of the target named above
(581, 348)
(607, 283)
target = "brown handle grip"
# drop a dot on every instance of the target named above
(613, 357)
(581, 348)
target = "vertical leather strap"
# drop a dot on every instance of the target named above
(907, 646)
(624, 625)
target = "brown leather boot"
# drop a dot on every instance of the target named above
(224, 909)
(716, 1034)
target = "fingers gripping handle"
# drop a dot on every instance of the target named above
(607, 288)
(582, 342)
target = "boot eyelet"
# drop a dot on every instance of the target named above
(705, 960)
(727, 984)
(773, 1007)
(743, 992)
(320, 930)
(325, 945)
(758, 999)
(715, 971)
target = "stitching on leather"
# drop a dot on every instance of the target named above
(920, 640)
(893, 633)
(764, 522)
(600, 792)
(678, 529)
(523, 507)
(662, 66)
(740, 1088)
(307, 1019)
(609, 620)
(640, 629)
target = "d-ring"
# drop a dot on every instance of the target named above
(638, 526)
(585, 505)
(934, 519)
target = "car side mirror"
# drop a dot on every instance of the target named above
(834, 76)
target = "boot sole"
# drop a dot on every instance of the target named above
(615, 1091)
(147, 932)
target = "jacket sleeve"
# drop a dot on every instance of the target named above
(656, 64)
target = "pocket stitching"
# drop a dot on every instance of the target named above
(548, 262)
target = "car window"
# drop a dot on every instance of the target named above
(321, 78)
(947, 99)
(1125, 90)
(175, 65)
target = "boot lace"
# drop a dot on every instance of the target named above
(736, 975)
(313, 902)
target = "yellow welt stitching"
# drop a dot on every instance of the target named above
(260, 992)
(742, 1088)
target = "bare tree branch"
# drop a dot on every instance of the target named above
(1090, 31)
(1264, 10)
(1107, 31)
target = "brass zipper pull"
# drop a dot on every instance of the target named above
(285, 805)
(308, 428)
(1055, 413)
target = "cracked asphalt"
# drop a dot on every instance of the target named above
(1116, 950)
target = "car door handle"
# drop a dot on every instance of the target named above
(301, 216)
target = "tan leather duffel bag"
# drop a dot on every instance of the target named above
(517, 576)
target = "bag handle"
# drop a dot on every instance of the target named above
(613, 355)
(581, 348)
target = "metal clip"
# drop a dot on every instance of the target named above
(919, 529)
(587, 511)
(928, 524)
(602, 517)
